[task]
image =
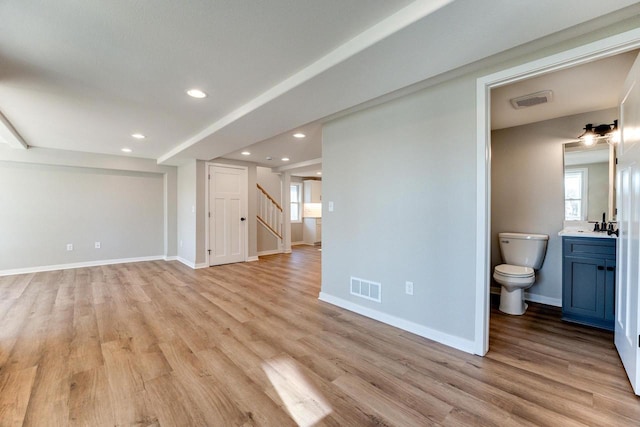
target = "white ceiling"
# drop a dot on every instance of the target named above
(590, 87)
(84, 75)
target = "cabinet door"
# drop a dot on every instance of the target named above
(312, 191)
(610, 291)
(584, 287)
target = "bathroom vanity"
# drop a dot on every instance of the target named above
(588, 278)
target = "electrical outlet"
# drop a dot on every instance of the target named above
(408, 288)
(69, 246)
(96, 245)
(330, 206)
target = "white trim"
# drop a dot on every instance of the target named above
(271, 252)
(84, 264)
(541, 299)
(192, 264)
(301, 242)
(586, 53)
(253, 259)
(406, 325)
(556, 302)
(584, 190)
(187, 262)
(299, 202)
(171, 258)
(372, 35)
(10, 135)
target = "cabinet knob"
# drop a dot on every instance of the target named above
(601, 267)
(610, 269)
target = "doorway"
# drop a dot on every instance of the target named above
(593, 51)
(227, 214)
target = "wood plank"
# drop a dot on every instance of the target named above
(157, 343)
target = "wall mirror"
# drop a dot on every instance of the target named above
(589, 182)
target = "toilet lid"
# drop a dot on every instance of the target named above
(514, 270)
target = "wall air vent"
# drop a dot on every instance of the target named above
(532, 99)
(366, 289)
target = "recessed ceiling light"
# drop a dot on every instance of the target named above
(269, 158)
(318, 173)
(285, 159)
(246, 153)
(299, 135)
(127, 150)
(196, 93)
(138, 136)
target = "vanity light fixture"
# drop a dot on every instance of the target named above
(608, 132)
(196, 93)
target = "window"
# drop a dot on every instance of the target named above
(296, 202)
(575, 194)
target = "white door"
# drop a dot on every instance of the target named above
(628, 203)
(227, 214)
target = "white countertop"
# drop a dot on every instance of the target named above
(573, 232)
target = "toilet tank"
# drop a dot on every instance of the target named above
(523, 249)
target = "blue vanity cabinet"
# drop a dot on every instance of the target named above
(588, 281)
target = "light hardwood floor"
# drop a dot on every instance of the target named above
(157, 343)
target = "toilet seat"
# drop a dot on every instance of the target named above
(515, 271)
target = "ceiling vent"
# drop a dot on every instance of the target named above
(532, 99)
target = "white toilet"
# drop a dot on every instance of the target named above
(522, 254)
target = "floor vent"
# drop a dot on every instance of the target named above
(365, 289)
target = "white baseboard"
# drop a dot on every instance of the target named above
(406, 325)
(555, 302)
(271, 252)
(252, 259)
(44, 268)
(301, 242)
(191, 264)
(186, 262)
(171, 258)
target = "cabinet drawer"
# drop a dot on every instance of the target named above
(589, 247)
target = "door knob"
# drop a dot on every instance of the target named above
(243, 219)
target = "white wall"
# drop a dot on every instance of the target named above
(527, 189)
(404, 199)
(45, 207)
(187, 213)
(402, 177)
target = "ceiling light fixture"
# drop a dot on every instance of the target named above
(299, 135)
(246, 153)
(196, 93)
(138, 136)
(608, 132)
(126, 150)
(285, 159)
